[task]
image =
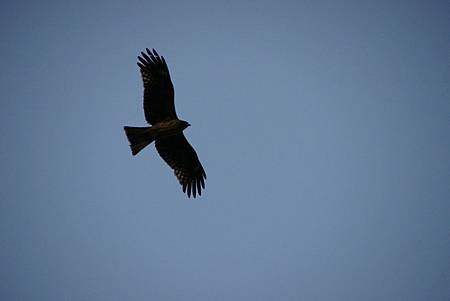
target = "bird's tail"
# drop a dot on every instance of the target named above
(139, 137)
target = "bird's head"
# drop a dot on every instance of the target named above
(184, 124)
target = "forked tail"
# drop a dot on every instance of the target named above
(139, 137)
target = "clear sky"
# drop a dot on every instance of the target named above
(323, 127)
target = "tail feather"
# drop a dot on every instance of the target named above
(139, 138)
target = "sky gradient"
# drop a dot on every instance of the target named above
(323, 128)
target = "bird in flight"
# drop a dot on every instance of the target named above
(166, 129)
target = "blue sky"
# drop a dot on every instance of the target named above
(322, 126)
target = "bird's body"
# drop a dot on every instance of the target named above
(167, 129)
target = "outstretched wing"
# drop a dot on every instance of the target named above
(182, 158)
(158, 88)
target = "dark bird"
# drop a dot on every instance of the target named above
(166, 129)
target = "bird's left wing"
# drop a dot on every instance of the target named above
(182, 158)
(158, 88)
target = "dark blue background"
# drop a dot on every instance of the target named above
(323, 127)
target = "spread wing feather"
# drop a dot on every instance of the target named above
(182, 158)
(158, 88)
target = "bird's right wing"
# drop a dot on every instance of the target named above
(182, 158)
(158, 88)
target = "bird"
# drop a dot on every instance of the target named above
(165, 129)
